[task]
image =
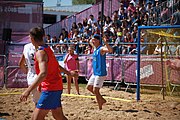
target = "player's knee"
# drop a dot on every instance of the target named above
(96, 91)
(90, 88)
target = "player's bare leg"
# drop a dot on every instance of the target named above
(99, 98)
(69, 83)
(76, 84)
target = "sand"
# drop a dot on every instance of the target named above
(84, 107)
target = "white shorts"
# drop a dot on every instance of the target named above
(35, 95)
(96, 81)
(31, 77)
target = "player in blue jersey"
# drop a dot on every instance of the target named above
(99, 67)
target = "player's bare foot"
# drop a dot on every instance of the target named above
(101, 103)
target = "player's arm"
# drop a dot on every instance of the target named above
(67, 72)
(107, 48)
(77, 63)
(90, 42)
(22, 64)
(66, 57)
(63, 70)
(42, 59)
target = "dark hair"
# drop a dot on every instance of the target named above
(37, 33)
(91, 15)
(96, 36)
(48, 35)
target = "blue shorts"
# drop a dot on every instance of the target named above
(49, 100)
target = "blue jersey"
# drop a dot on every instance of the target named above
(99, 63)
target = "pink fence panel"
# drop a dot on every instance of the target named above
(71, 19)
(130, 72)
(109, 68)
(16, 78)
(174, 76)
(2, 69)
(13, 59)
(107, 10)
(80, 17)
(115, 5)
(128, 66)
(1, 76)
(117, 69)
(89, 12)
(94, 11)
(54, 30)
(64, 23)
(151, 71)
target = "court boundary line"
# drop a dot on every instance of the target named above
(73, 95)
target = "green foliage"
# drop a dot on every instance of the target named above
(77, 2)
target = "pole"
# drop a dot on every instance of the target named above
(138, 67)
(102, 15)
(162, 73)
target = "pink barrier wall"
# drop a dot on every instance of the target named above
(116, 66)
(175, 77)
(155, 69)
(150, 70)
(1, 76)
(16, 78)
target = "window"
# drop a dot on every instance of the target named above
(49, 19)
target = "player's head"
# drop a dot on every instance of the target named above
(37, 34)
(96, 39)
(71, 49)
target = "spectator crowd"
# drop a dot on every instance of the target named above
(121, 28)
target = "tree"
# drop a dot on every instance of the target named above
(77, 2)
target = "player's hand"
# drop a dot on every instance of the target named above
(24, 96)
(105, 39)
(74, 73)
(39, 88)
